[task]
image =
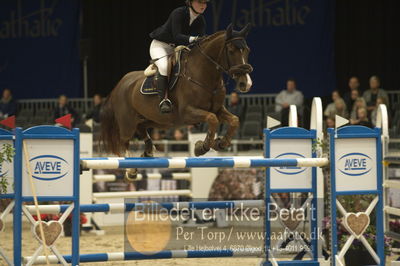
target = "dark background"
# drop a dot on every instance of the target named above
(118, 37)
(366, 39)
(340, 38)
(367, 42)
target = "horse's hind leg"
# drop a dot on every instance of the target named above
(148, 143)
(233, 124)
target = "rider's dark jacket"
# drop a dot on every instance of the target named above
(176, 30)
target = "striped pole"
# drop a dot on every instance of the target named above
(138, 194)
(111, 178)
(121, 256)
(231, 162)
(125, 207)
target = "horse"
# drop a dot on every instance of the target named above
(198, 97)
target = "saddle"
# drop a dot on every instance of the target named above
(174, 68)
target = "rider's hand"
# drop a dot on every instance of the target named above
(193, 38)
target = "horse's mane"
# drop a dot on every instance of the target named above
(213, 36)
(205, 40)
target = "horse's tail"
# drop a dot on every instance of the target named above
(110, 135)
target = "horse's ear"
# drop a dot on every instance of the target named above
(245, 30)
(229, 31)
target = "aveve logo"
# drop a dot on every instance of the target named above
(355, 164)
(49, 167)
(290, 170)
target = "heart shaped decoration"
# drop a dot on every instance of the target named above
(52, 231)
(356, 223)
(293, 219)
(1, 225)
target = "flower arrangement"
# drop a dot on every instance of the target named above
(6, 155)
(56, 217)
(357, 203)
(394, 226)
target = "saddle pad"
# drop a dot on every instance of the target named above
(148, 87)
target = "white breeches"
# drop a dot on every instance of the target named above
(161, 49)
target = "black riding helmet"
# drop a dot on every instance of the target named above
(189, 4)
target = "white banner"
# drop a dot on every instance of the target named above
(355, 164)
(52, 167)
(288, 177)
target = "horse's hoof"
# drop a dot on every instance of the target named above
(147, 155)
(220, 144)
(199, 148)
(130, 175)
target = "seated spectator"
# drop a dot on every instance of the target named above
(179, 135)
(341, 108)
(359, 103)
(374, 113)
(355, 94)
(330, 122)
(64, 108)
(330, 109)
(362, 118)
(95, 112)
(373, 93)
(8, 106)
(235, 106)
(354, 85)
(286, 98)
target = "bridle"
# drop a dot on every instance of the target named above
(233, 70)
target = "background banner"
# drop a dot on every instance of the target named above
(290, 38)
(39, 51)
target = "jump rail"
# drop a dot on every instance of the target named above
(111, 178)
(238, 162)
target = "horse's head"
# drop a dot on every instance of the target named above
(236, 57)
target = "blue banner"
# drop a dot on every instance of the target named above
(39, 48)
(289, 39)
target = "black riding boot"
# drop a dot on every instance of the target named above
(162, 86)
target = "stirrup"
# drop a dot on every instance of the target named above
(165, 106)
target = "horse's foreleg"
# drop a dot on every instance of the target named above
(198, 115)
(225, 116)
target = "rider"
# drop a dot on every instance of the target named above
(184, 25)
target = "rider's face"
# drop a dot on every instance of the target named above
(199, 6)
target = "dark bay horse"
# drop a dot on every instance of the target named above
(198, 97)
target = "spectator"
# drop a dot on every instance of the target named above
(286, 98)
(359, 103)
(373, 93)
(64, 108)
(179, 135)
(156, 136)
(341, 108)
(95, 112)
(330, 109)
(330, 122)
(362, 118)
(235, 107)
(8, 106)
(338, 107)
(354, 85)
(374, 113)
